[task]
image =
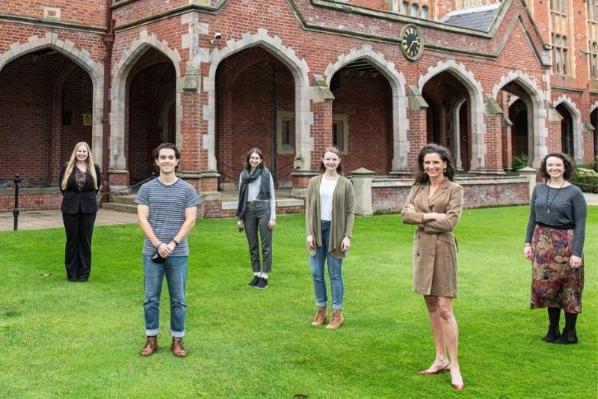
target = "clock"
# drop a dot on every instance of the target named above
(412, 42)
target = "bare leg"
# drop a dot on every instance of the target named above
(440, 361)
(450, 334)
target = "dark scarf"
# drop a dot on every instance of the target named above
(246, 178)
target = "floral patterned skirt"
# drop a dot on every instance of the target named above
(555, 284)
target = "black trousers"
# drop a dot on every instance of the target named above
(77, 256)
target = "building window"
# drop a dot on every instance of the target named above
(593, 54)
(425, 12)
(559, 51)
(405, 7)
(414, 9)
(592, 10)
(340, 132)
(285, 132)
(559, 6)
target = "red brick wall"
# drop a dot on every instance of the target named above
(77, 98)
(80, 12)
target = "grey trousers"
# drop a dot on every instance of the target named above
(256, 219)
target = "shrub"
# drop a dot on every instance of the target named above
(586, 179)
(520, 161)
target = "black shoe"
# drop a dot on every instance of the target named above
(255, 280)
(552, 335)
(83, 279)
(567, 338)
(262, 283)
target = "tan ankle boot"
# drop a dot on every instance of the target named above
(150, 347)
(337, 320)
(177, 347)
(320, 317)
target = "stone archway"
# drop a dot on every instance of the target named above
(565, 103)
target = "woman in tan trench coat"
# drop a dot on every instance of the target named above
(434, 205)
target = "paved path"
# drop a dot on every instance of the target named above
(35, 220)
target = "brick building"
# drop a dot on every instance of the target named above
(494, 80)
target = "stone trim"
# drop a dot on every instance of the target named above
(474, 88)
(82, 58)
(400, 123)
(593, 107)
(577, 125)
(298, 67)
(120, 72)
(537, 147)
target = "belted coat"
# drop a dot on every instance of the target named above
(434, 244)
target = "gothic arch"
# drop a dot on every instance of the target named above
(80, 57)
(120, 72)
(474, 88)
(399, 100)
(577, 125)
(299, 70)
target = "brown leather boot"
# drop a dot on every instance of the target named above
(337, 320)
(320, 317)
(151, 346)
(177, 347)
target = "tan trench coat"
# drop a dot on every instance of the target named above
(434, 245)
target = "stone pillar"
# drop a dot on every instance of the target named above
(532, 175)
(417, 132)
(362, 184)
(494, 120)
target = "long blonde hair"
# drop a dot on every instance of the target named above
(70, 166)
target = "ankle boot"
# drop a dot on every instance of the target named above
(177, 347)
(337, 320)
(320, 317)
(150, 347)
(569, 335)
(554, 316)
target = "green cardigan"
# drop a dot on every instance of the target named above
(342, 213)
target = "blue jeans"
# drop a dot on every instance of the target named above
(175, 269)
(334, 271)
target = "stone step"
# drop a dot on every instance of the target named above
(119, 207)
(280, 203)
(124, 199)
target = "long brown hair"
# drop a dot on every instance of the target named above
(443, 153)
(70, 166)
(334, 150)
(248, 155)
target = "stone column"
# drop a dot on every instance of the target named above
(362, 184)
(494, 120)
(532, 175)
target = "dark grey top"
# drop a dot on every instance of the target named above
(559, 207)
(167, 204)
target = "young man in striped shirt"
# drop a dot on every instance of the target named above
(167, 208)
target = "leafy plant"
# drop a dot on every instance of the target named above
(520, 161)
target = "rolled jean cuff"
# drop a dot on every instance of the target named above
(152, 333)
(321, 305)
(337, 307)
(177, 334)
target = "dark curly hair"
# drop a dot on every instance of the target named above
(445, 155)
(568, 166)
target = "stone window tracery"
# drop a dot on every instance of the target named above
(593, 38)
(560, 27)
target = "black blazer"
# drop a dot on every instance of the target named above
(75, 199)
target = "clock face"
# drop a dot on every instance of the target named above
(412, 42)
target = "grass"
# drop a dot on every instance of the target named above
(61, 339)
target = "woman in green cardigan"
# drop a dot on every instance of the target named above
(329, 222)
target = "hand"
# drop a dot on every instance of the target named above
(164, 250)
(271, 224)
(310, 241)
(240, 225)
(527, 252)
(431, 216)
(346, 244)
(575, 261)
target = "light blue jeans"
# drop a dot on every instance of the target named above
(175, 269)
(334, 271)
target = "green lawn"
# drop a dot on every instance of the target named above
(60, 339)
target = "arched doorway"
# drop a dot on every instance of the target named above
(46, 105)
(594, 122)
(255, 107)
(518, 115)
(150, 112)
(567, 134)
(362, 117)
(448, 116)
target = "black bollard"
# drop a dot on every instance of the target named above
(15, 212)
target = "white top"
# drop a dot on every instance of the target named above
(326, 192)
(253, 191)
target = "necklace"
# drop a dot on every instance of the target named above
(558, 189)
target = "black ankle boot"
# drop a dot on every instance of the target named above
(554, 316)
(569, 335)
(553, 334)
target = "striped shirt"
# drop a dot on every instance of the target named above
(167, 204)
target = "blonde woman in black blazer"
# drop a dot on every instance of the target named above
(80, 180)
